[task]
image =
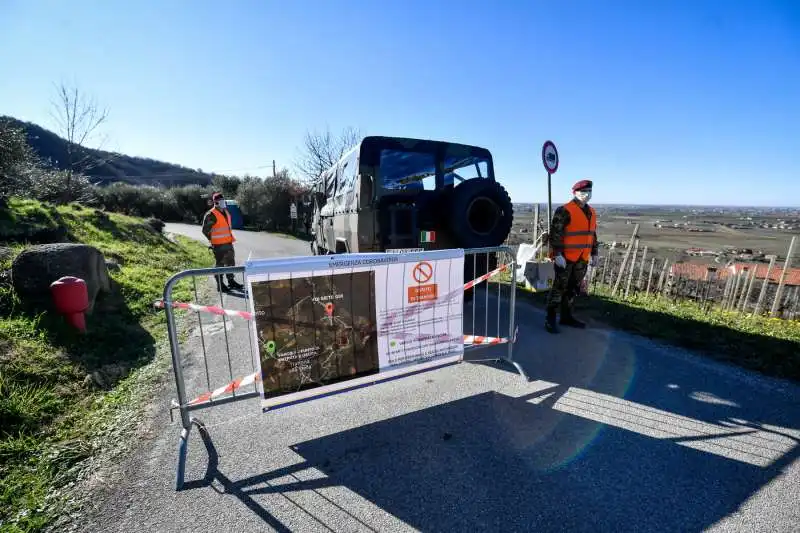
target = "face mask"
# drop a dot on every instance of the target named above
(221, 204)
(583, 196)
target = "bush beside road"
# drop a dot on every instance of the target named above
(64, 398)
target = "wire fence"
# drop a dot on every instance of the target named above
(633, 271)
(750, 288)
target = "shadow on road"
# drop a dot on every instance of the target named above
(538, 462)
(611, 435)
(752, 350)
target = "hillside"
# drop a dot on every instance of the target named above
(108, 167)
(66, 398)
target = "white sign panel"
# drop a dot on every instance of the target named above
(404, 250)
(330, 323)
(293, 210)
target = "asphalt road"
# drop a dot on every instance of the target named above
(611, 433)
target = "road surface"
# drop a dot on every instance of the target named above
(260, 244)
(611, 433)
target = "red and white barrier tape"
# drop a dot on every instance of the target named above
(481, 279)
(238, 383)
(474, 340)
(213, 309)
(230, 387)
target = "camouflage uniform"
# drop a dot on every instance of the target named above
(567, 280)
(224, 254)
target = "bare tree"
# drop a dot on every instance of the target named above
(79, 119)
(16, 160)
(321, 150)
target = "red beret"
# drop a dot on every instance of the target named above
(583, 184)
(216, 196)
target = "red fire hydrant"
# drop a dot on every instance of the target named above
(71, 299)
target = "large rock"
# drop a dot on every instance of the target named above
(37, 267)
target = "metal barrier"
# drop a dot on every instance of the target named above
(489, 321)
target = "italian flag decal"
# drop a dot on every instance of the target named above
(427, 236)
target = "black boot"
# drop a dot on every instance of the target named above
(550, 322)
(221, 287)
(568, 320)
(233, 284)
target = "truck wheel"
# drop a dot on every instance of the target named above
(481, 213)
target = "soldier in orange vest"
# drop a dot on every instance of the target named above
(218, 231)
(573, 246)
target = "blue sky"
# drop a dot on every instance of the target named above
(657, 102)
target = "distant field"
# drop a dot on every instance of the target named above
(616, 225)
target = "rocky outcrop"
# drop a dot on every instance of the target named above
(37, 267)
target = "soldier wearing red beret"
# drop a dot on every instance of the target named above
(573, 246)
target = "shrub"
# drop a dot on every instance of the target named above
(227, 185)
(156, 224)
(265, 202)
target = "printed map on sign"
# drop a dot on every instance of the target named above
(421, 318)
(327, 324)
(315, 330)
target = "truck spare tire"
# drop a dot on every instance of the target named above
(481, 213)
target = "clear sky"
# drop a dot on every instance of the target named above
(656, 101)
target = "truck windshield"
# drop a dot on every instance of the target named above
(406, 171)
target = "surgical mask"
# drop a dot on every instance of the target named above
(221, 204)
(583, 196)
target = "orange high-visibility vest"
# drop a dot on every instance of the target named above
(579, 235)
(221, 232)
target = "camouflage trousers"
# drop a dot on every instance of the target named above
(224, 256)
(566, 284)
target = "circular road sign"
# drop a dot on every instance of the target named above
(422, 272)
(550, 157)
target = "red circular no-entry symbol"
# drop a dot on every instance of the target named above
(550, 157)
(422, 272)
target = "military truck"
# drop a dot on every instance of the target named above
(399, 193)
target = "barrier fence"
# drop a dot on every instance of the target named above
(242, 339)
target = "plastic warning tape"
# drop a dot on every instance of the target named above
(230, 387)
(474, 340)
(207, 309)
(477, 339)
(238, 383)
(476, 281)
(213, 309)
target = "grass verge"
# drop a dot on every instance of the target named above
(767, 345)
(64, 397)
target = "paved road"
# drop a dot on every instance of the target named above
(612, 433)
(260, 244)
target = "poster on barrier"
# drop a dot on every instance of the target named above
(326, 324)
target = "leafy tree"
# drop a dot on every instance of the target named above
(227, 185)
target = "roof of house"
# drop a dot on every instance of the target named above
(698, 271)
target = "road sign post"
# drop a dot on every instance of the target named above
(293, 216)
(550, 161)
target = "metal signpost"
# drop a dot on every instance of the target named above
(550, 161)
(293, 216)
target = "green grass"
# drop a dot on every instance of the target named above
(64, 396)
(767, 345)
